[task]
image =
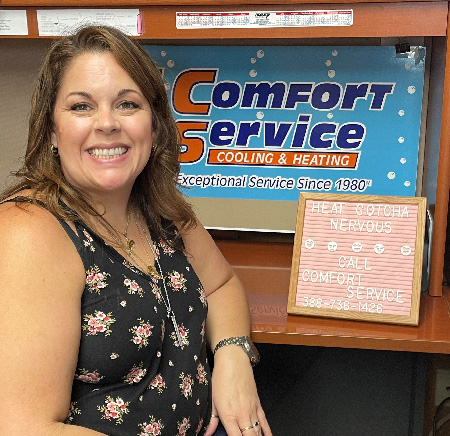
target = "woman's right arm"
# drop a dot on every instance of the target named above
(42, 282)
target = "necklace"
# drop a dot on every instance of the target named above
(170, 312)
(151, 269)
(129, 243)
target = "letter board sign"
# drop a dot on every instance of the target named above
(358, 257)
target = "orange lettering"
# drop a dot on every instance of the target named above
(183, 87)
(195, 145)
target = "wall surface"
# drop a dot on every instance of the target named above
(19, 62)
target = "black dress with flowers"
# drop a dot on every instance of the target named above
(132, 376)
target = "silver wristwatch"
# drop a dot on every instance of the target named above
(246, 344)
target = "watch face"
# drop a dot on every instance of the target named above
(251, 351)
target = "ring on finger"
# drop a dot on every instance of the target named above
(214, 416)
(249, 427)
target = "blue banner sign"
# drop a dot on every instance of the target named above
(269, 122)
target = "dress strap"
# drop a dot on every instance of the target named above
(23, 199)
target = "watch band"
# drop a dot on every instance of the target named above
(235, 340)
(245, 343)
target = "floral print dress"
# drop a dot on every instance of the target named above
(133, 377)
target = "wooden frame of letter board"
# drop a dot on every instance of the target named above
(413, 318)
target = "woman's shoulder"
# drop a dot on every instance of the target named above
(23, 204)
(25, 219)
(31, 235)
(24, 196)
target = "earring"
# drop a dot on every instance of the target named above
(154, 147)
(54, 150)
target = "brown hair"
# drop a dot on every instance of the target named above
(155, 191)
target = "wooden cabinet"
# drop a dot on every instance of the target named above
(371, 19)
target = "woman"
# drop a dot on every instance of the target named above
(96, 231)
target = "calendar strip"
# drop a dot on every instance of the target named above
(203, 20)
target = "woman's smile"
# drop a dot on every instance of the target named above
(107, 153)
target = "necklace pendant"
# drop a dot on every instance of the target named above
(171, 315)
(152, 271)
(130, 245)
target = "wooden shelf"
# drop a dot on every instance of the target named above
(134, 3)
(387, 19)
(264, 269)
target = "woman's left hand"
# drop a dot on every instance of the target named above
(234, 395)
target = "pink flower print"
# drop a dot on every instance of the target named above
(202, 293)
(184, 333)
(177, 281)
(156, 252)
(156, 290)
(95, 280)
(174, 407)
(202, 331)
(157, 383)
(167, 249)
(171, 363)
(141, 333)
(98, 323)
(88, 241)
(183, 427)
(136, 374)
(72, 411)
(130, 266)
(201, 374)
(186, 385)
(114, 409)
(163, 329)
(133, 287)
(87, 376)
(199, 426)
(123, 303)
(153, 428)
(113, 356)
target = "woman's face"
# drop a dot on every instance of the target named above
(102, 125)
